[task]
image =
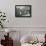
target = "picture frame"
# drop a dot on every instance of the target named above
(23, 11)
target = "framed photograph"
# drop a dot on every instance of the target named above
(23, 11)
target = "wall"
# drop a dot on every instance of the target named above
(38, 18)
(36, 23)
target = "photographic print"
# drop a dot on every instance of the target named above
(23, 11)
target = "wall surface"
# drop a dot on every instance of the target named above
(25, 25)
(38, 18)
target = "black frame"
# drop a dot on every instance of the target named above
(30, 11)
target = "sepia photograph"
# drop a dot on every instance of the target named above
(23, 10)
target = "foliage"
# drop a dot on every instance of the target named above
(2, 19)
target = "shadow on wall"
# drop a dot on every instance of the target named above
(16, 43)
